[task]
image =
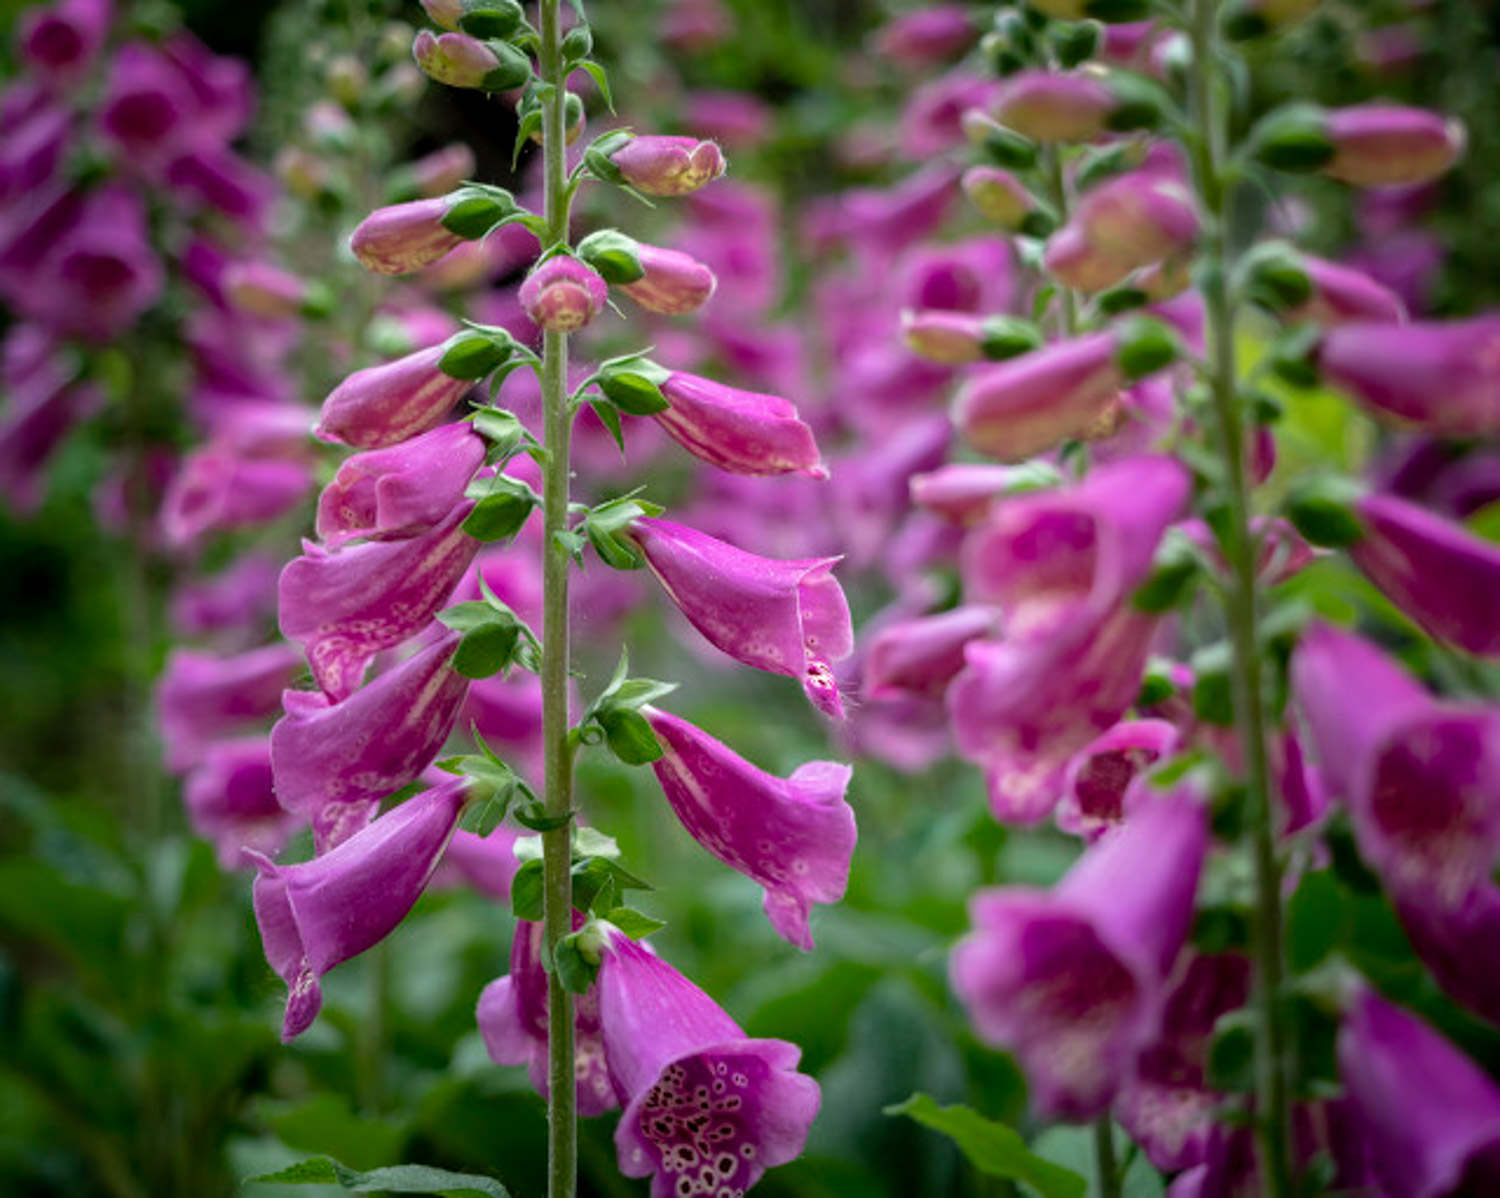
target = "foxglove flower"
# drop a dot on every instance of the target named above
(1100, 775)
(705, 1108)
(1441, 575)
(744, 432)
(454, 58)
(1382, 145)
(926, 36)
(1421, 777)
(921, 657)
(1430, 1116)
(1129, 222)
(384, 405)
(1001, 197)
(319, 913)
(344, 607)
(794, 836)
(784, 617)
(146, 108)
(962, 492)
(487, 864)
(216, 489)
(60, 40)
(201, 698)
(240, 597)
(563, 294)
(1073, 980)
(668, 166)
(401, 490)
(1341, 294)
(674, 283)
(512, 1018)
(231, 801)
(260, 289)
(334, 762)
(1438, 376)
(1055, 106)
(403, 238)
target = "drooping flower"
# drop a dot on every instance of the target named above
(563, 294)
(401, 490)
(785, 617)
(343, 607)
(1073, 980)
(454, 58)
(1430, 1116)
(1101, 773)
(384, 405)
(1440, 574)
(202, 697)
(319, 913)
(216, 489)
(512, 1017)
(745, 432)
(1129, 222)
(334, 762)
(230, 800)
(926, 36)
(706, 1109)
(59, 40)
(1341, 294)
(1438, 376)
(674, 282)
(403, 238)
(963, 491)
(794, 836)
(922, 656)
(668, 166)
(1055, 106)
(1382, 145)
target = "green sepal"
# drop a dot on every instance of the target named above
(526, 891)
(629, 736)
(471, 354)
(577, 44)
(634, 386)
(491, 18)
(475, 209)
(1323, 510)
(1293, 138)
(1121, 299)
(1140, 103)
(575, 967)
(1074, 42)
(1274, 277)
(1003, 337)
(503, 510)
(635, 924)
(615, 256)
(597, 157)
(1145, 346)
(514, 70)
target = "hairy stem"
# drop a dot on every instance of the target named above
(562, 1101)
(1241, 604)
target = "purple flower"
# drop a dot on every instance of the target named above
(403, 238)
(230, 801)
(1421, 777)
(785, 617)
(1437, 572)
(1073, 980)
(962, 491)
(1102, 772)
(1430, 1116)
(1032, 403)
(487, 864)
(794, 836)
(343, 607)
(674, 282)
(668, 166)
(922, 656)
(319, 913)
(334, 762)
(1341, 294)
(454, 58)
(146, 106)
(401, 490)
(512, 1018)
(216, 489)
(384, 405)
(201, 697)
(705, 1108)
(1379, 145)
(1129, 222)
(60, 40)
(999, 196)
(744, 432)
(1050, 106)
(238, 598)
(258, 288)
(1438, 376)
(926, 36)
(563, 294)
(220, 180)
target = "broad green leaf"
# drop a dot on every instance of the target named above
(395, 1179)
(991, 1147)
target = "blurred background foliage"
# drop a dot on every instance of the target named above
(138, 1049)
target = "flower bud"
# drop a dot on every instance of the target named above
(433, 174)
(1001, 197)
(1131, 221)
(674, 283)
(562, 294)
(402, 238)
(384, 405)
(260, 289)
(462, 61)
(954, 338)
(1004, 147)
(926, 36)
(1053, 106)
(668, 166)
(445, 14)
(1381, 145)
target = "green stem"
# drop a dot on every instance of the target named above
(1241, 606)
(557, 902)
(1104, 1157)
(1057, 193)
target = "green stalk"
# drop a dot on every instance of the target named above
(1104, 1157)
(557, 900)
(1057, 193)
(1272, 1122)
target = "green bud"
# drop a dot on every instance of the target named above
(1140, 103)
(514, 70)
(491, 18)
(1074, 42)
(1146, 345)
(577, 43)
(1275, 277)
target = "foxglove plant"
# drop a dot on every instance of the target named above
(402, 524)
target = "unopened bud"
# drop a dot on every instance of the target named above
(1383, 145)
(562, 294)
(668, 166)
(1001, 197)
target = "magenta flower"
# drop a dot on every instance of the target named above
(343, 607)
(220, 180)
(744, 432)
(1102, 772)
(1430, 1116)
(200, 697)
(60, 40)
(1421, 777)
(1073, 980)
(922, 656)
(785, 617)
(668, 166)
(962, 492)
(1438, 376)
(216, 489)
(563, 294)
(1052, 106)
(1341, 294)
(1380, 145)
(926, 36)
(487, 864)
(402, 490)
(512, 1017)
(230, 800)
(260, 289)
(454, 58)
(240, 597)
(1457, 943)
(146, 106)
(319, 913)
(794, 836)
(674, 282)
(1131, 221)
(403, 238)
(705, 1108)
(384, 405)
(334, 762)
(1437, 572)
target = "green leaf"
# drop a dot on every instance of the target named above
(609, 417)
(635, 924)
(614, 255)
(991, 1147)
(570, 543)
(574, 969)
(486, 651)
(601, 80)
(1231, 1053)
(484, 817)
(396, 1179)
(502, 513)
(501, 429)
(471, 354)
(590, 842)
(526, 891)
(629, 736)
(1315, 920)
